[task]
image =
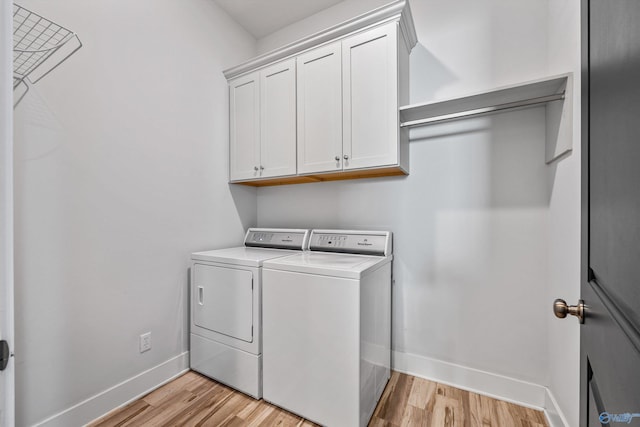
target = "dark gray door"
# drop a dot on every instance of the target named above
(610, 284)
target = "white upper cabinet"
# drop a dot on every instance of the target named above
(348, 104)
(325, 107)
(244, 127)
(320, 110)
(370, 98)
(278, 119)
(263, 123)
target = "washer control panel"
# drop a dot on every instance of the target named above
(277, 238)
(355, 242)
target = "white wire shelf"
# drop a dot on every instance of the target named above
(39, 47)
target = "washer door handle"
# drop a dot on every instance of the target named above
(200, 295)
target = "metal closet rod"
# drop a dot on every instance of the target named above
(485, 110)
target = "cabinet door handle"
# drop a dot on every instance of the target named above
(261, 167)
(346, 157)
(255, 168)
(337, 158)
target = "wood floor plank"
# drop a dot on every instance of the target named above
(203, 407)
(251, 407)
(130, 411)
(223, 412)
(415, 417)
(529, 423)
(482, 411)
(195, 400)
(185, 382)
(257, 417)
(447, 412)
(536, 415)
(281, 418)
(504, 414)
(391, 384)
(378, 422)
(169, 407)
(235, 422)
(452, 404)
(392, 409)
(422, 392)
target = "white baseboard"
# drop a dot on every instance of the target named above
(489, 384)
(555, 417)
(120, 394)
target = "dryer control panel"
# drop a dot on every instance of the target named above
(351, 241)
(277, 238)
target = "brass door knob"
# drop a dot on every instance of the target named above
(561, 309)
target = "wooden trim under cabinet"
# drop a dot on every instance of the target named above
(332, 176)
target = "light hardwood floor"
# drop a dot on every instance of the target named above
(194, 400)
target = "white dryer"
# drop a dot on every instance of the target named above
(327, 327)
(226, 306)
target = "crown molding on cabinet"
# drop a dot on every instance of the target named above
(398, 10)
(407, 27)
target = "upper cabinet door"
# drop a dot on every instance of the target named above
(244, 127)
(370, 98)
(320, 110)
(278, 119)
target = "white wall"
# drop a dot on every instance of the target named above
(564, 222)
(475, 222)
(120, 173)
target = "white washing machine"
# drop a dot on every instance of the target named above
(327, 327)
(226, 306)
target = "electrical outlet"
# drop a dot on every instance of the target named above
(145, 342)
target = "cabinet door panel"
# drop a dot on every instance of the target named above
(370, 98)
(278, 119)
(320, 110)
(244, 127)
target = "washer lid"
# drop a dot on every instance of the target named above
(245, 256)
(349, 266)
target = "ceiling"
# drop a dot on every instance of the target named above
(263, 17)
